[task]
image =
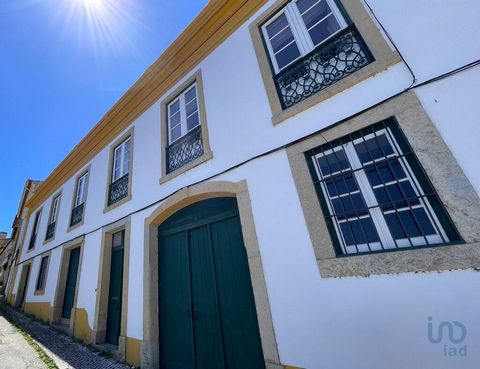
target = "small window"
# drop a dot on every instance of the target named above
(33, 236)
(183, 114)
(185, 142)
(121, 160)
(42, 274)
(375, 195)
(81, 190)
(299, 28)
(79, 200)
(52, 220)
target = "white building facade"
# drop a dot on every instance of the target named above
(330, 146)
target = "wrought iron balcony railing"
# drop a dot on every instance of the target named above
(50, 230)
(184, 150)
(342, 55)
(118, 190)
(77, 215)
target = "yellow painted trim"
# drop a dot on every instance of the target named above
(218, 20)
(132, 351)
(41, 310)
(81, 328)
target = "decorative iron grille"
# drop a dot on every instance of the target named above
(77, 215)
(118, 190)
(50, 230)
(184, 150)
(339, 57)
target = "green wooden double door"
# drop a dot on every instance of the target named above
(207, 315)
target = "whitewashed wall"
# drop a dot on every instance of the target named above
(373, 323)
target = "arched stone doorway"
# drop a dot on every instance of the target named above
(182, 199)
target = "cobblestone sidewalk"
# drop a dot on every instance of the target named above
(63, 349)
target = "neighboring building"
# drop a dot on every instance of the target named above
(280, 189)
(18, 230)
(5, 253)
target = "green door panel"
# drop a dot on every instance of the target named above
(175, 307)
(241, 336)
(115, 297)
(71, 283)
(207, 315)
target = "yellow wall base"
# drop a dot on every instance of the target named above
(41, 310)
(291, 367)
(132, 351)
(81, 329)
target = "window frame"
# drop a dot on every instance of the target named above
(300, 32)
(456, 193)
(42, 277)
(377, 215)
(35, 229)
(195, 78)
(129, 134)
(53, 215)
(123, 170)
(354, 12)
(83, 192)
(85, 173)
(183, 114)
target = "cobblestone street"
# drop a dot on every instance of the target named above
(16, 353)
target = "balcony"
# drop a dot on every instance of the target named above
(184, 150)
(50, 231)
(77, 215)
(344, 54)
(118, 190)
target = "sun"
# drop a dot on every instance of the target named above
(95, 5)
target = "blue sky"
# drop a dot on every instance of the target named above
(63, 64)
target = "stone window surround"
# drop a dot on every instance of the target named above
(384, 56)
(207, 152)
(55, 195)
(41, 256)
(462, 203)
(103, 285)
(181, 199)
(62, 280)
(87, 169)
(129, 133)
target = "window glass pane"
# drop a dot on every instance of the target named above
(175, 133)
(356, 232)
(324, 29)
(192, 121)
(333, 162)
(277, 25)
(423, 221)
(281, 40)
(304, 5)
(174, 120)
(287, 55)
(315, 14)
(191, 107)
(126, 158)
(373, 148)
(191, 94)
(174, 108)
